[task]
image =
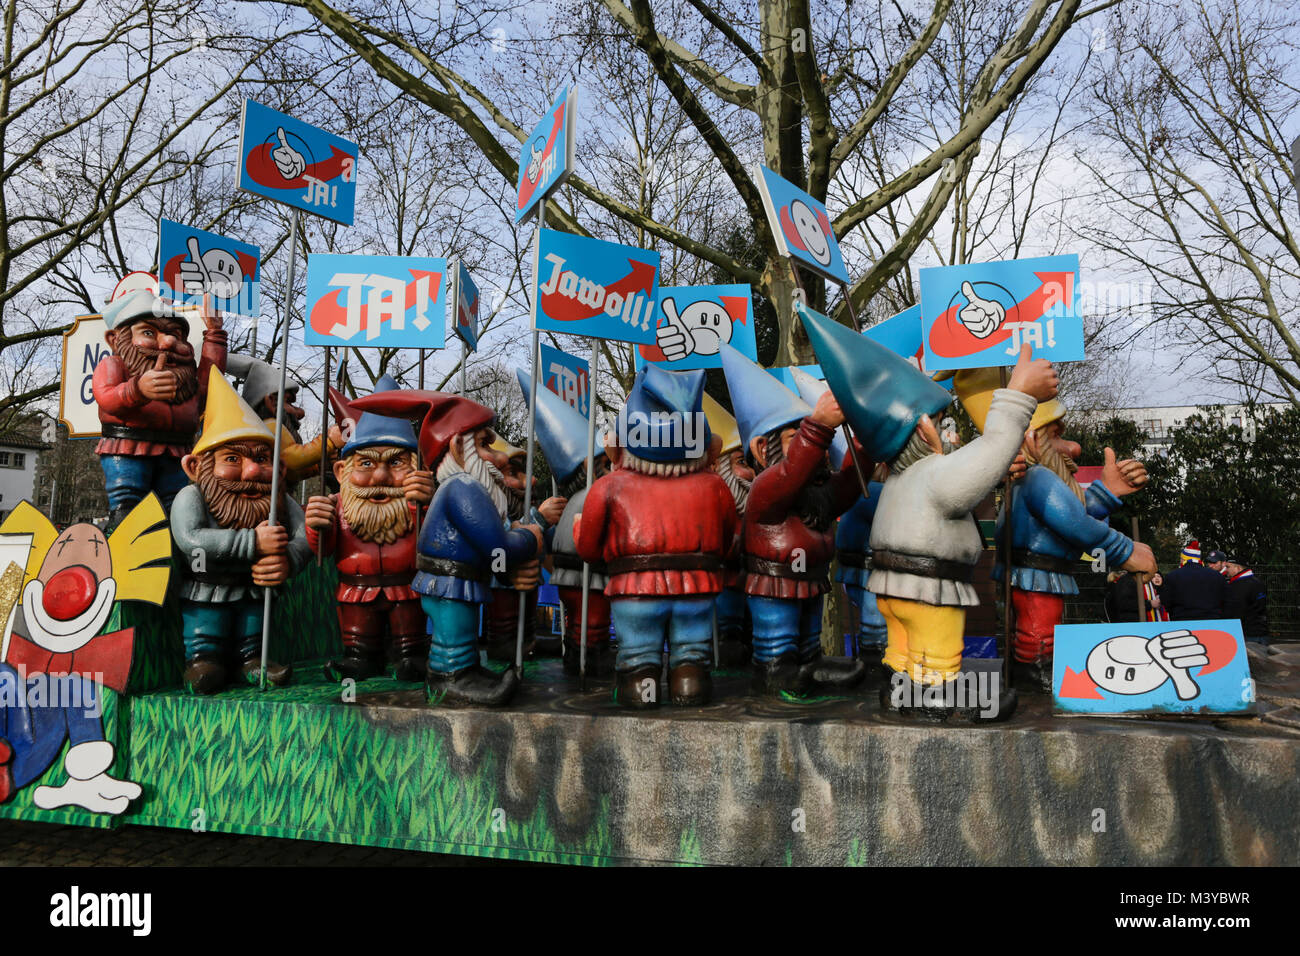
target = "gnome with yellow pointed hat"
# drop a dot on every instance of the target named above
(229, 552)
(733, 633)
(1053, 522)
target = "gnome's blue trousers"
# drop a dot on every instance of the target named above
(871, 623)
(215, 629)
(454, 646)
(731, 613)
(129, 478)
(786, 626)
(35, 721)
(643, 623)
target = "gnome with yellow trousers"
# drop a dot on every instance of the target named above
(228, 552)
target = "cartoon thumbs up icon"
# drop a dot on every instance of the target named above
(673, 337)
(982, 317)
(288, 160)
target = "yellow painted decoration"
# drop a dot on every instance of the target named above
(140, 548)
(722, 423)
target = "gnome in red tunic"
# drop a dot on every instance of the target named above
(370, 527)
(662, 522)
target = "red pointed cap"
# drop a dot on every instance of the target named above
(444, 416)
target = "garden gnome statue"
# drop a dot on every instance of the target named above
(227, 552)
(732, 615)
(150, 392)
(789, 536)
(1053, 523)
(924, 540)
(370, 527)
(465, 538)
(562, 433)
(662, 522)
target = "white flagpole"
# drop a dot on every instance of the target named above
(591, 468)
(532, 423)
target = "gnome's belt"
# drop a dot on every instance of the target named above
(216, 578)
(452, 569)
(692, 561)
(398, 580)
(146, 434)
(571, 562)
(1042, 562)
(852, 559)
(923, 567)
(779, 569)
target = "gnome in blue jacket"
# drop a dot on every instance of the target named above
(465, 538)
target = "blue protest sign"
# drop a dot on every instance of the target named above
(801, 226)
(567, 376)
(978, 315)
(901, 334)
(600, 289)
(464, 303)
(692, 321)
(546, 159)
(1152, 667)
(195, 263)
(379, 301)
(296, 163)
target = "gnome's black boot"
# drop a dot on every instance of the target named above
(901, 695)
(839, 673)
(1006, 706)
(599, 659)
(475, 685)
(638, 688)
(733, 652)
(204, 675)
(356, 664)
(689, 685)
(410, 656)
(1033, 675)
(781, 675)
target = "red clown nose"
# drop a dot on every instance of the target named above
(70, 593)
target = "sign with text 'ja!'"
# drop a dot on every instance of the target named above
(296, 163)
(546, 159)
(604, 290)
(376, 301)
(567, 376)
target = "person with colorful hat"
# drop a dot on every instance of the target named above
(1191, 551)
(1053, 523)
(734, 637)
(789, 531)
(465, 538)
(370, 528)
(149, 393)
(227, 551)
(924, 540)
(562, 433)
(1196, 590)
(661, 522)
(261, 390)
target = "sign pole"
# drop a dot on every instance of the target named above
(279, 431)
(1141, 585)
(1008, 491)
(464, 362)
(324, 445)
(591, 474)
(532, 423)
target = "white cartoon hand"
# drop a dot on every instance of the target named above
(981, 316)
(1176, 652)
(194, 274)
(288, 160)
(673, 337)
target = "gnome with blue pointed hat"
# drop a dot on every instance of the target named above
(661, 522)
(789, 531)
(562, 433)
(924, 540)
(853, 540)
(370, 529)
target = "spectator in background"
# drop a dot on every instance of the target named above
(1121, 601)
(1191, 552)
(1193, 592)
(1214, 560)
(1246, 599)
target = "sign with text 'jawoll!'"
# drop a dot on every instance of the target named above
(600, 289)
(693, 321)
(567, 376)
(464, 304)
(1152, 667)
(978, 315)
(546, 159)
(197, 263)
(801, 226)
(377, 301)
(296, 163)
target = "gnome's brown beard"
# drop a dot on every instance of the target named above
(1063, 466)
(139, 360)
(379, 522)
(225, 499)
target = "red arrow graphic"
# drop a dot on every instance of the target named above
(737, 307)
(329, 311)
(1079, 686)
(172, 270)
(950, 339)
(563, 309)
(262, 168)
(525, 187)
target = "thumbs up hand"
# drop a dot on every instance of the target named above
(982, 317)
(1122, 477)
(288, 160)
(158, 384)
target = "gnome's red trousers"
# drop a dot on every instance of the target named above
(597, 616)
(1037, 615)
(363, 626)
(501, 620)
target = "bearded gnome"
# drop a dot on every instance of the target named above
(149, 393)
(227, 550)
(370, 529)
(1053, 522)
(465, 538)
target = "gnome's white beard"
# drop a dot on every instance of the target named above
(738, 486)
(484, 472)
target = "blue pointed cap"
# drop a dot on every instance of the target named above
(374, 429)
(761, 402)
(883, 396)
(810, 390)
(663, 419)
(561, 429)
